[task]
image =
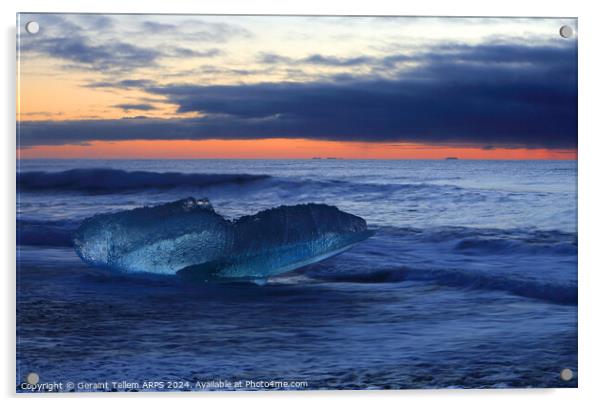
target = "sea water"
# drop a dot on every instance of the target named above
(470, 279)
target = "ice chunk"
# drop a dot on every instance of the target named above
(160, 239)
(189, 238)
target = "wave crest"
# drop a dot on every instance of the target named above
(555, 292)
(102, 180)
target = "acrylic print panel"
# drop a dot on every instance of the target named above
(296, 203)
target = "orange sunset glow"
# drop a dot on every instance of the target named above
(279, 149)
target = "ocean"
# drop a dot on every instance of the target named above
(470, 280)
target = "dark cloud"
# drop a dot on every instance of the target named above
(68, 38)
(156, 27)
(83, 54)
(489, 95)
(198, 30)
(445, 55)
(95, 22)
(83, 131)
(180, 52)
(133, 106)
(317, 59)
(217, 32)
(122, 84)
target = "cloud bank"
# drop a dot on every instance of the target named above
(490, 95)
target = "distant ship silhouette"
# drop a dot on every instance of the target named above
(451, 158)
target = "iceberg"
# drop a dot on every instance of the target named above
(189, 239)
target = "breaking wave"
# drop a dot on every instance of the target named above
(511, 260)
(555, 292)
(115, 180)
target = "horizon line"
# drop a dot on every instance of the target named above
(296, 159)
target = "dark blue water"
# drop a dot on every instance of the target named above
(469, 281)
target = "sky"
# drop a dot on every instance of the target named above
(182, 86)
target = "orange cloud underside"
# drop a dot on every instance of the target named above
(280, 149)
